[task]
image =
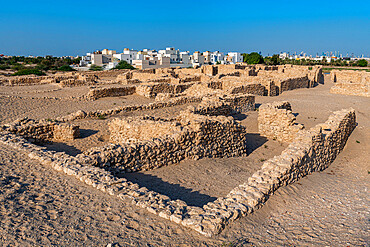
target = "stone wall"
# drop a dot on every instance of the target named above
(96, 93)
(146, 144)
(293, 83)
(43, 130)
(129, 108)
(351, 82)
(24, 80)
(105, 73)
(75, 80)
(65, 132)
(276, 121)
(151, 90)
(138, 129)
(312, 150)
(211, 70)
(201, 90)
(68, 79)
(224, 105)
(251, 88)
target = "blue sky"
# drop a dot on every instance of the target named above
(76, 27)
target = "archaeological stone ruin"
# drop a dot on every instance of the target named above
(211, 101)
(351, 82)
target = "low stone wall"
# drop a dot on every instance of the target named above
(150, 90)
(26, 80)
(201, 90)
(348, 76)
(312, 150)
(147, 144)
(351, 82)
(357, 89)
(129, 108)
(293, 83)
(224, 105)
(97, 93)
(43, 130)
(76, 80)
(105, 73)
(276, 121)
(250, 88)
(70, 79)
(65, 132)
(210, 70)
(138, 129)
(315, 75)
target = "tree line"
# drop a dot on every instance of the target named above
(256, 58)
(37, 65)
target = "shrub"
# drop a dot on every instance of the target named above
(102, 116)
(362, 63)
(29, 72)
(66, 68)
(18, 67)
(4, 66)
(124, 65)
(96, 68)
(42, 67)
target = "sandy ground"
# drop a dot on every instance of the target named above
(14, 107)
(42, 207)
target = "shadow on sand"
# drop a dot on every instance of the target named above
(174, 191)
(87, 132)
(62, 147)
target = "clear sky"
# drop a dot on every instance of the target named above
(75, 27)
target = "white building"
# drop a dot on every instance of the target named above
(207, 57)
(197, 59)
(101, 59)
(170, 52)
(127, 55)
(85, 60)
(236, 57)
(112, 65)
(185, 59)
(152, 63)
(217, 57)
(169, 57)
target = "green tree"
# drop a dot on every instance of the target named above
(362, 63)
(252, 58)
(124, 65)
(275, 59)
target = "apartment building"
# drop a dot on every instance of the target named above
(152, 63)
(169, 57)
(235, 57)
(217, 57)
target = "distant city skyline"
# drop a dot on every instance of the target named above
(74, 28)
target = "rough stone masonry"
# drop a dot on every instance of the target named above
(312, 150)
